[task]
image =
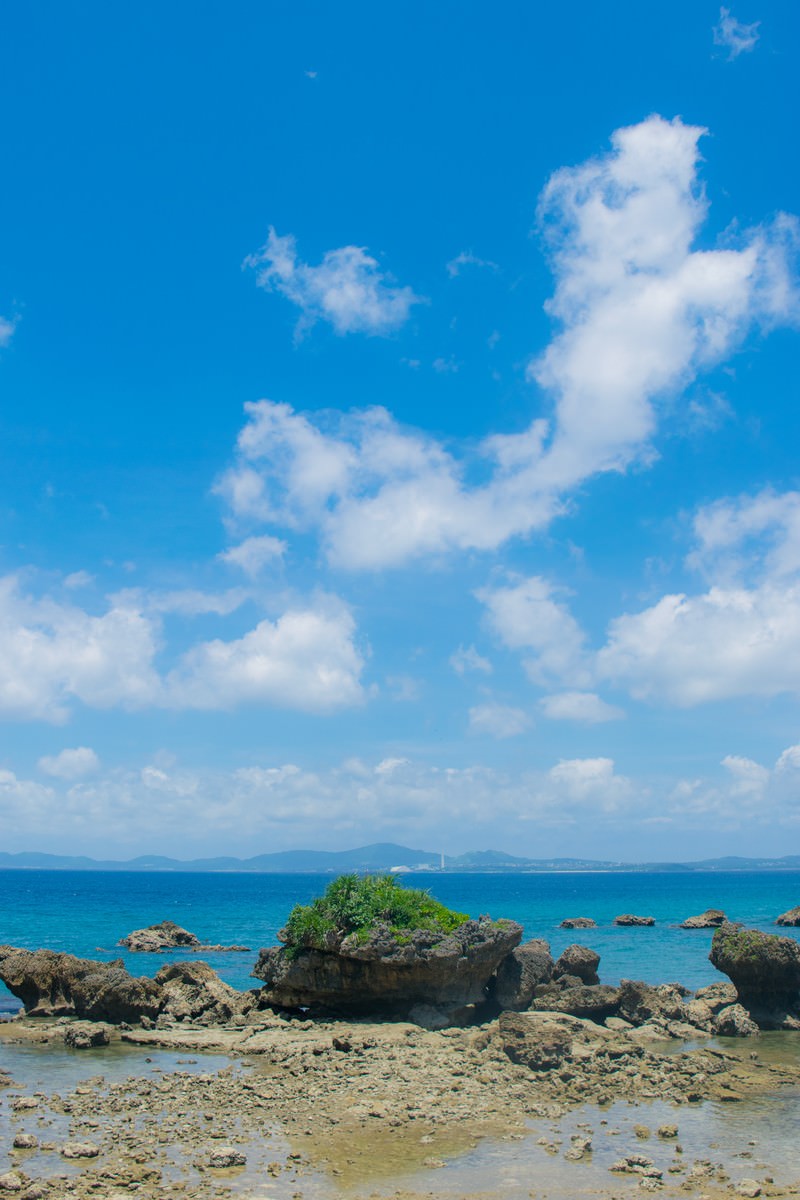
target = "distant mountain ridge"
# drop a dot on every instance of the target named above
(381, 856)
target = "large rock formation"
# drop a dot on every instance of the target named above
(520, 973)
(595, 1002)
(388, 975)
(765, 970)
(166, 935)
(790, 917)
(50, 984)
(712, 918)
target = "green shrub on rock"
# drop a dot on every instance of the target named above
(355, 905)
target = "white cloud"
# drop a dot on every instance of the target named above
(467, 658)
(305, 660)
(77, 580)
(52, 654)
(579, 706)
(347, 289)
(404, 688)
(748, 535)
(641, 313)
(526, 616)
(6, 331)
(190, 602)
(70, 764)
(467, 259)
(592, 781)
(254, 553)
(689, 650)
(733, 35)
(498, 720)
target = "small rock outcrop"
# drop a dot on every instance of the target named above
(765, 970)
(192, 991)
(388, 976)
(166, 935)
(712, 918)
(51, 984)
(578, 923)
(579, 961)
(734, 1021)
(85, 1035)
(520, 973)
(594, 1003)
(631, 919)
(790, 917)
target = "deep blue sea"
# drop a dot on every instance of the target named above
(86, 912)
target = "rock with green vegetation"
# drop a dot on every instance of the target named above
(765, 970)
(370, 946)
(790, 917)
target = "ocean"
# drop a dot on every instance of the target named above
(87, 912)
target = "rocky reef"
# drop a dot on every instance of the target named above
(712, 918)
(166, 935)
(632, 919)
(790, 917)
(578, 923)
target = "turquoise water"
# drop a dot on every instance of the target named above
(86, 912)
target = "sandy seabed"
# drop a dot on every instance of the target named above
(322, 1110)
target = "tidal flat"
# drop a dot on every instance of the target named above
(314, 1110)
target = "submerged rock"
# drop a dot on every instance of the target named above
(631, 919)
(765, 970)
(580, 961)
(712, 918)
(51, 984)
(790, 917)
(387, 976)
(166, 935)
(520, 973)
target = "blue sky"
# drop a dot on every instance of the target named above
(399, 428)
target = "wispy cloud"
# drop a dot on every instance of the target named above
(736, 37)
(347, 288)
(467, 259)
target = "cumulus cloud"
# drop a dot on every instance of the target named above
(70, 764)
(741, 637)
(527, 616)
(498, 720)
(254, 553)
(592, 781)
(733, 35)
(586, 707)
(53, 654)
(306, 659)
(724, 643)
(640, 313)
(347, 289)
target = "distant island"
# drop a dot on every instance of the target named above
(382, 856)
